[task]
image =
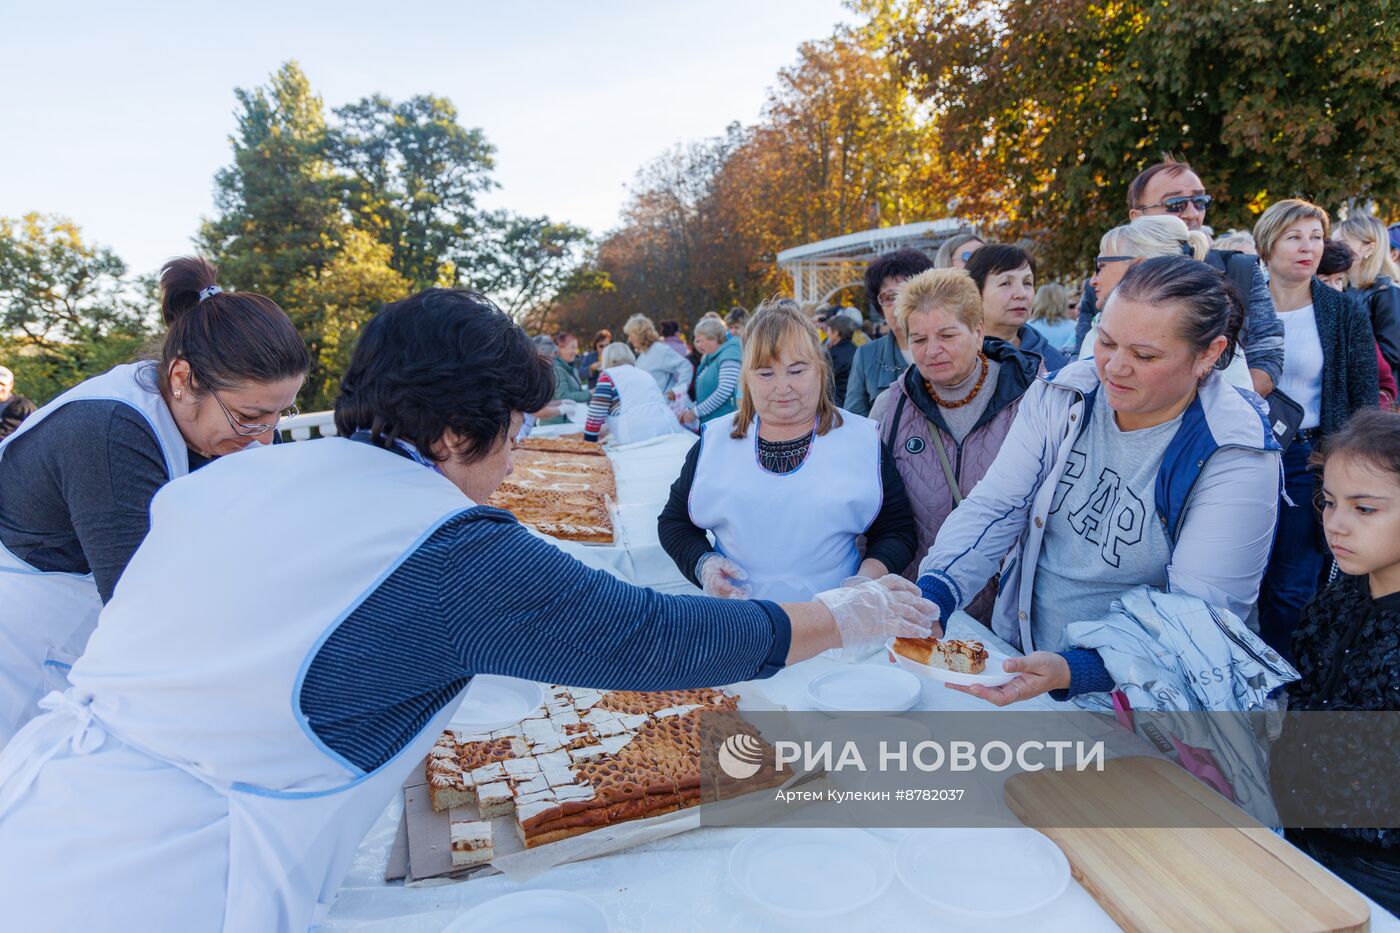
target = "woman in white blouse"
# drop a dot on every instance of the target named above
(667, 367)
(1329, 368)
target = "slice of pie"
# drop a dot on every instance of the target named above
(472, 843)
(952, 654)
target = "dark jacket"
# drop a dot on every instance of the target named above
(842, 355)
(1350, 381)
(1382, 304)
(13, 412)
(873, 367)
(1347, 649)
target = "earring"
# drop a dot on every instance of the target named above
(177, 393)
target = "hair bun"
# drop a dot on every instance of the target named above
(181, 282)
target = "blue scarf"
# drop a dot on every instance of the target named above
(401, 446)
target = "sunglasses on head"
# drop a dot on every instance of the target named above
(1178, 204)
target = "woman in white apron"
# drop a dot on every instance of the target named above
(80, 472)
(252, 698)
(789, 483)
(627, 401)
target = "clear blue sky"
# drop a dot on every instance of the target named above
(117, 115)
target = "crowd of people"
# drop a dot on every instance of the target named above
(1209, 419)
(1031, 453)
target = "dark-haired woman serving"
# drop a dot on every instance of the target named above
(79, 474)
(217, 773)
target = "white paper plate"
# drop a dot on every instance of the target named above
(494, 702)
(864, 688)
(994, 676)
(811, 872)
(985, 873)
(543, 911)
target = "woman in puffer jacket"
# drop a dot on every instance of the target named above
(1141, 468)
(961, 394)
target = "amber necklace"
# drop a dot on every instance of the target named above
(944, 403)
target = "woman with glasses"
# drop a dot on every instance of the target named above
(878, 363)
(80, 473)
(1124, 247)
(957, 250)
(245, 712)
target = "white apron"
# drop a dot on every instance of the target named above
(46, 618)
(642, 409)
(795, 534)
(177, 785)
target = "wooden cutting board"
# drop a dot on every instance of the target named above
(1226, 871)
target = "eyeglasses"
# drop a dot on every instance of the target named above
(1102, 261)
(253, 430)
(1178, 204)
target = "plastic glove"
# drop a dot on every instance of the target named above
(719, 576)
(869, 613)
(857, 580)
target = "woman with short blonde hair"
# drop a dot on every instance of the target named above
(1374, 279)
(1329, 370)
(669, 368)
(761, 479)
(945, 418)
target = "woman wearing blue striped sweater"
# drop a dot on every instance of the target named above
(299, 626)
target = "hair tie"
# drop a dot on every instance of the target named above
(209, 292)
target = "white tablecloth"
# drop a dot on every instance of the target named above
(680, 883)
(644, 473)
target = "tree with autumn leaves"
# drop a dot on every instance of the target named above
(1050, 109)
(1024, 116)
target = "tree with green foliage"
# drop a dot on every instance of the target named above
(67, 307)
(333, 220)
(414, 177)
(1048, 110)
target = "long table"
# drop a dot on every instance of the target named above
(680, 883)
(644, 473)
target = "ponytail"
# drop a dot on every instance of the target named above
(227, 338)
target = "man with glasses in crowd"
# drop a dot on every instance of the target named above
(1171, 187)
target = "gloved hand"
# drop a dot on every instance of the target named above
(719, 576)
(857, 580)
(868, 613)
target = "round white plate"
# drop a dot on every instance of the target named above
(494, 702)
(991, 873)
(543, 911)
(994, 676)
(811, 872)
(864, 688)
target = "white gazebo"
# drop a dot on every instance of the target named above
(820, 270)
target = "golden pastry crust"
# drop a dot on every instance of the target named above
(561, 495)
(952, 654)
(648, 765)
